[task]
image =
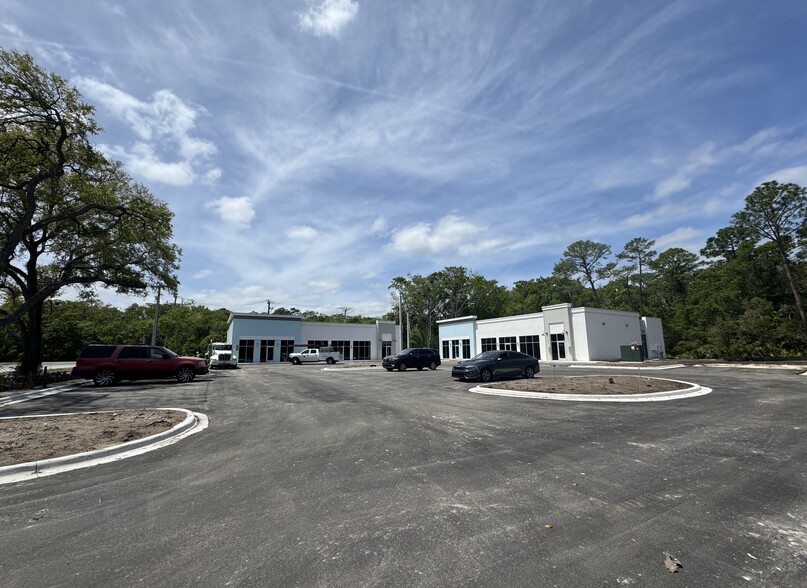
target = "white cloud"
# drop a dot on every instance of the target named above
(141, 161)
(202, 274)
(685, 238)
(452, 233)
(700, 160)
(164, 125)
(324, 286)
(237, 211)
(328, 17)
(672, 185)
(304, 233)
(790, 175)
(379, 224)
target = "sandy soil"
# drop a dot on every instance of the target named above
(37, 438)
(599, 385)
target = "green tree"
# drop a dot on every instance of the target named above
(726, 244)
(639, 253)
(527, 296)
(488, 298)
(45, 131)
(586, 260)
(67, 216)
(776, 212)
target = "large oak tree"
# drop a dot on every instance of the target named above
(68, 217)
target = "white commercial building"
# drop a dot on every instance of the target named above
(559, 333)
(259, 338)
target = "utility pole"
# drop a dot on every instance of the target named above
(344, 310)
(268, 307)
(400, 317)
(408, 329)
(156, 318)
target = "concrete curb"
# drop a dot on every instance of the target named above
(635, 366)
(193, 423)
(690, 392)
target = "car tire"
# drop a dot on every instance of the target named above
(104, 377)
(433, 366)
(296, 361)
(529, 372)
(186, 375)
(485, 375)
(330, 361)
(402, 367)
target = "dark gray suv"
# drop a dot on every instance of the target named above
(418, 357)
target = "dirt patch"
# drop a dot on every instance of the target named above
(591, 385)
(37, 438)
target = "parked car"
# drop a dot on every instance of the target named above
(488, 365)
(107, 364)
(417, 357)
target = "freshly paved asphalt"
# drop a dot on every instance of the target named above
(308, 477)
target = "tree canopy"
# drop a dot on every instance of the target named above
(68, 217)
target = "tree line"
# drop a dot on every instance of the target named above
(71, 218)
(69, 325)
(742, 297)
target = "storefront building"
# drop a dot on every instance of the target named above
(264, 338)
(558, 333)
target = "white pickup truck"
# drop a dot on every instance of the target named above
(220, 355)
(325, 354)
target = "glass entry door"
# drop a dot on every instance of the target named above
(558, 343)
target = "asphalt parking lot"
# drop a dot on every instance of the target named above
(359, 477)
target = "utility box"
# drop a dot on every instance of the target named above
(631, 352)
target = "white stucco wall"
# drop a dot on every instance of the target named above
(655, 337)
(600, 333)
(512, 326)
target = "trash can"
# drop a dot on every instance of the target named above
(631, 352)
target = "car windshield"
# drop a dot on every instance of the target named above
(222, 347)
(404, 351)
(485, 355)
(169, 352)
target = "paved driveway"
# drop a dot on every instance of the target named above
(308, 477)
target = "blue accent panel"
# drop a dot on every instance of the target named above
(453, 330)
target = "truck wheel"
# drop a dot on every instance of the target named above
(330, 361)
(296, 361)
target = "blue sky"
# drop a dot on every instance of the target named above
(314, 150)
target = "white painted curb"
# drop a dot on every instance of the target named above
(690, 392)
(193, 423)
